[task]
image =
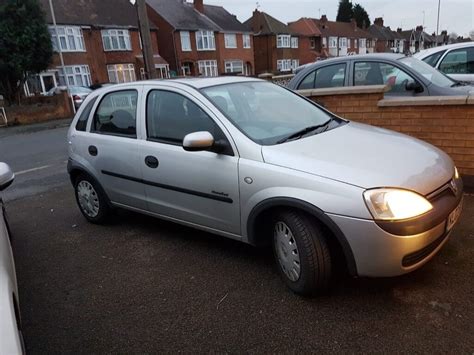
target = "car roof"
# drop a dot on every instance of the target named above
(199, 83)
(372, 56)
(427, 52)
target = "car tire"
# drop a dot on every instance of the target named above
(91, 200)
(301, 253)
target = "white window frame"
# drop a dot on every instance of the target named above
(185, 38)
(356, 43)
(205, 41)
(295, 63)
(294, 42)
(333, 41)
(230, 40)
(284, 65)
(283, 41)
(111, 40)
(70, 38)
(363, 43)
(246, 41)
(343, 42)
(76, 75)
(208, 68)
(121, 73)
(230, 65)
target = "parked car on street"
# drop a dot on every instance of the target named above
(11, 341)
(78, 93)
(255, 162)
(455, 60)
(405, 76)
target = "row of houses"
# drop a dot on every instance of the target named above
(100, 42)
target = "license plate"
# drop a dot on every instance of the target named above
(453, 217)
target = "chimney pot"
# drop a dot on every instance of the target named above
(324, 18)
(379, 21)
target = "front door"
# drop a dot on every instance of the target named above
(48, 81)
(342, 46)
(195, 187)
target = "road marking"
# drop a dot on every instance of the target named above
(33, 169)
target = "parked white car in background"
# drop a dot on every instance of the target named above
(10, 336)
(455, 60)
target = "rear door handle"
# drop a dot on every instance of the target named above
(151, 162)
(93, 150)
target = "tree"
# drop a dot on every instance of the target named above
(361, 16)
(344, 12)
(25, 45)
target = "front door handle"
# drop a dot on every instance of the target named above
(93, 150)
(151, 162)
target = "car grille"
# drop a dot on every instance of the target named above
(417, 256)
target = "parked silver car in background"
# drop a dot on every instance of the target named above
(455, 60)
(10, 336)
(252, 161)
(78, 93)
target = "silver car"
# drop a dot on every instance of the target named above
(11, 341)
(252, 161)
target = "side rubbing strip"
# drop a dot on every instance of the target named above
(169, 187)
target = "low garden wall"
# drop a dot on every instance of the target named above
(446, 122)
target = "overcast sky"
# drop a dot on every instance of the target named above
(456, 15)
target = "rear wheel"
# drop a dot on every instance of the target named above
(301, 252)
(91, 200)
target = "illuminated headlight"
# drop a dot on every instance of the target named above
(456, 173)
(394, 204)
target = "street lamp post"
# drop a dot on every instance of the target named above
(437, 23)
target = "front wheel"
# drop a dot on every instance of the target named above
(91, 200)
(301, 252)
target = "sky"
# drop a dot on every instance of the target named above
(455, 15)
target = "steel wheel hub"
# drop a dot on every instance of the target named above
(287, 251)
(88, 198)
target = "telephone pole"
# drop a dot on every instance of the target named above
(147, 48)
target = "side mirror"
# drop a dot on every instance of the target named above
(198, 141)
(6, 176)
(414, 86)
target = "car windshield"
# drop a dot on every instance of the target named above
(265, 112)
(428, 72)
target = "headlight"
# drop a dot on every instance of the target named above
(456, 173)
(394, 204)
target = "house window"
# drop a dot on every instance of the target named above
(313, 43)
(284, 65)
(121, 73)
(230, 40)
(185, 41)
(246, 40)
(363, 43)
(343, 42)
(116, 40)
(76, 75)
(205, 41)
(234, 66)
(294, 42)
(208, 67)
(70, 38)
(283, 41)
(356, 43)
(332, 42)
(295, 63)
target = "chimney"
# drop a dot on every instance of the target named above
(379, 21)
(419, 28)
(324, 18)
(399, 30)
(199, 5)
(445, 32)
(354, 24)
(256, 21)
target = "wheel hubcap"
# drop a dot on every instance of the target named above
(287, 251)
(88, 198)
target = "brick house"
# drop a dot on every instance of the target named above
(417, 39)
(276, 44)
(387, 40)
(100, 43)
(341, 38)
(310, 39)
(198, 39)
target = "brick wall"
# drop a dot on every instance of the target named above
(446, 122)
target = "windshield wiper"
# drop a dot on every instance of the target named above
(459, 83)
(304, 131)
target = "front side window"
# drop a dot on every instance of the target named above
(265, 112)
(234, 66)
(117, 114)
(185, 41)
(84, 117)
(326, 77)
(294, 42)
(433, 59)
(283, 41)
(76, 75)
(246, 40)
(459, 61)
(429, 73)
(116, 40)
(171, 116)
(208, 67)
(230, 40)
(121, 73)
(70, 39)
(205, 41)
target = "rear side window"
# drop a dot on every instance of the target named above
(433, 59)
(326, 77)
(82, 121)
(117, 114)
(459, 61)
